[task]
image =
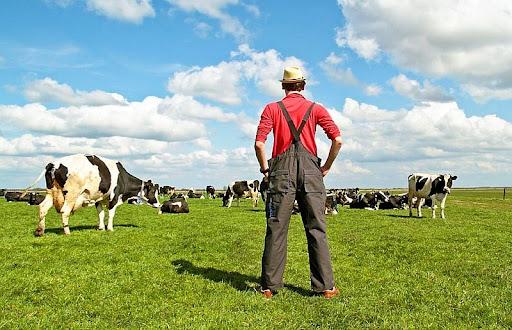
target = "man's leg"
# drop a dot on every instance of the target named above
(312, 207)
(278, 209)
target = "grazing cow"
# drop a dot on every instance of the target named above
(394, 202)
(369, 201)
(81, 180)
(210, 192)
(239, 189)
(177, 205)
(2, 192)
(436, 186)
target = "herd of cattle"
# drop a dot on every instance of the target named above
(81, 180)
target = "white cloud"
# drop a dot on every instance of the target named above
(333, 69)
(412, 89)
(136, 120)
(220, 83)
(49, 90)
(427, 131)
(215, 9)
(367, 48)
(470, 41)
(373, 90)
(133, 11)
(53, 145)
(186, 107)
(224, 82)
(202, 29)
(483, 94)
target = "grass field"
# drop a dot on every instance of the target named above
(200, 270)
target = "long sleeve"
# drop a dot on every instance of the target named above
(265, 125)
(329, 126)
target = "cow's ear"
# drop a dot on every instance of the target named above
(454, 177)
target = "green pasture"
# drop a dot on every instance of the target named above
(201, 270)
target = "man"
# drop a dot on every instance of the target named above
(295, 173)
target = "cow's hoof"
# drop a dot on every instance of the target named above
(101, 228)
(110, 229)
(67, 232)
(39, 232)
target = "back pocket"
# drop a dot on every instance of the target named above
(279, 181)
(313, 181)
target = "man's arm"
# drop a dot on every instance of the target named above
(333, 153)
(259, 147)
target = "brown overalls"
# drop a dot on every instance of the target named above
(295, 175)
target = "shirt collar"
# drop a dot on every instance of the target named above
(293, 94)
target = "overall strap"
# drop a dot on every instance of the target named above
(296, 133)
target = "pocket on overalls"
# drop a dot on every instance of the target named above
(272, 206)
(313, 181)
(279, 182)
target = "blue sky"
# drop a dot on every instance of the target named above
(174, 88)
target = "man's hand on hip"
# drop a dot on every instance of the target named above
(324, 170)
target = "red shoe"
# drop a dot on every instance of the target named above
(328, 294)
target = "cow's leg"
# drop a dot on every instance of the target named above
(421, 201)
(44, 207)
(255, 201)
(112, 213)
(67, 209)
(433, 207)
(443, 202)
(238, 201)
(101, 216)
(230, 200)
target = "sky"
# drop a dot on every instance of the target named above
(174, 88)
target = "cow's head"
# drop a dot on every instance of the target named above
(150, 193)
(443, 183)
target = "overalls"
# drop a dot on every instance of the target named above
(295, 175)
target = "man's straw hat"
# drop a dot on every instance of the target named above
(292, 74)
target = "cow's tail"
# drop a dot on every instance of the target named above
(33, 183)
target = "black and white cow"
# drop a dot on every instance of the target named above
(239, 189)
(192, 194)
(331, 205)
(369, 200)
(82, 180)
(12, 196)
(167, 190)
(176, 205)
(395, 202)
(436, 186)
(210, 192)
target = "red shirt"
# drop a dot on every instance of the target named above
(297, 105)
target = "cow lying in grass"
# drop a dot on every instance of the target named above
(178, 205)
(82, 180)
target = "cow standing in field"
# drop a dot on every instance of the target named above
(210, 192)
(436, 186)
(239, 189)
(81, 180)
